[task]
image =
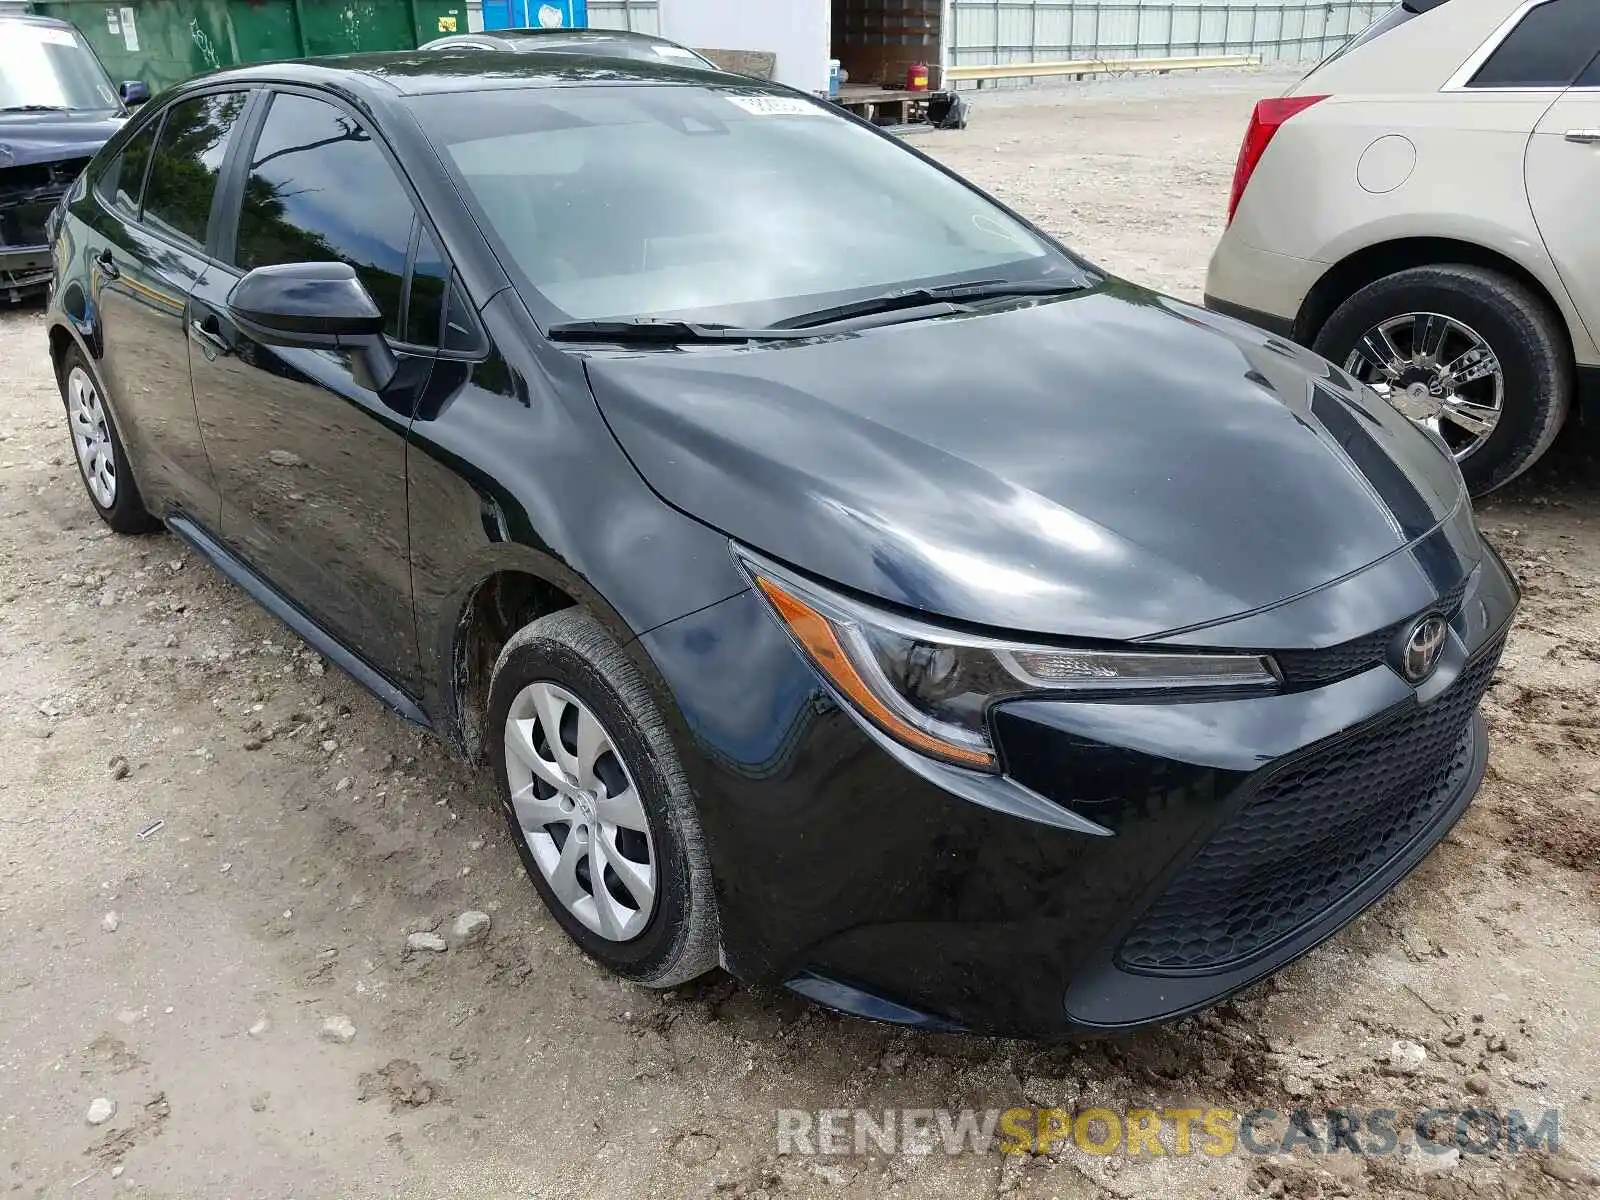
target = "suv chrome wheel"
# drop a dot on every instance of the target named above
(1439, 372)
(91, 437)
(580, 812)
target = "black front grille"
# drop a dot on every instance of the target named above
(1313, 668)
(1312, 834)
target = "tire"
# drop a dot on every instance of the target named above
(1518, 327)
(569, 654)
(88, 416)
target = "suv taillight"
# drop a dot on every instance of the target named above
(1265, 122)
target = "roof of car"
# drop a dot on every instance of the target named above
(572, 35)
(31, 19)
(417, 72)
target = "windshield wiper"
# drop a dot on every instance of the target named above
(654, 329)
(955, 294)
(949, 298)
(35, 108)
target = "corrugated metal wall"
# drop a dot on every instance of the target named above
(1009, 31)
(642, 16)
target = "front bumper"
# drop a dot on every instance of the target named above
(24, 268)
(28, 195)
(1194, 848)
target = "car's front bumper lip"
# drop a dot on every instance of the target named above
(886, 893)
(24, 266)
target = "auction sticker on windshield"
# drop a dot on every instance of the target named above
(776, 106)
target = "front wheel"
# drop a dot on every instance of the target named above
(598, 804)
(1470, 353)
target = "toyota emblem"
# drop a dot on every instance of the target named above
(1423, 647)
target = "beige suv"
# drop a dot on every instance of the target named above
(1424, 209)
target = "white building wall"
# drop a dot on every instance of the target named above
(641, 16)
(797, 31)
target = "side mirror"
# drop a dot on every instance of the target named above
(321, 306)
(134, 91)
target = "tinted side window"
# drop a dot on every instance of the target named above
(1591, 76)
(1549, 48)
(319, 190)
(183, 173)
(122, 181)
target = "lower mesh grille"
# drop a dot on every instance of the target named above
(1313, 834)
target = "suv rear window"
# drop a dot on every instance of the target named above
(1549, 48)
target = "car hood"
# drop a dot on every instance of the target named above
(1114, 464)
(47, 137)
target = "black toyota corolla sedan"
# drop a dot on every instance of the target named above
(843, 581)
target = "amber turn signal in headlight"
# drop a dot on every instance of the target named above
(931, 689)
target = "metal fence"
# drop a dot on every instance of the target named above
(642, 16)
(988, 32)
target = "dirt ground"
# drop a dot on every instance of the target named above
(304, 833)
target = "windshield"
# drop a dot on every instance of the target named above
(714, 204)
(45, 67)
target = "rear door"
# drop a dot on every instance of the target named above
(1564, 187)
(153, 206)
(311, 463)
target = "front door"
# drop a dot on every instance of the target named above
(148, 234)
(310, 463)
(1563, 168)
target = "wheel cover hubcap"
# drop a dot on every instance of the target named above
(580, 812)
(1439, 372)
(91, 437)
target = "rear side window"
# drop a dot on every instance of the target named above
(183, 173)
(122, 182)
(1549, 48)
(320, 190)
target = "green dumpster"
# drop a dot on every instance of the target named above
(164, 42)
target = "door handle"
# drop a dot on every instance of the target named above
(108, 265)
(209, 334)
(1584, 137)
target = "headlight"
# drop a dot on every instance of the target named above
(931, 689)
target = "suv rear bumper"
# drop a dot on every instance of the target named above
(1258, 286)
(1272, 323)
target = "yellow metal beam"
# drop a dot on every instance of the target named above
(1101, 66)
